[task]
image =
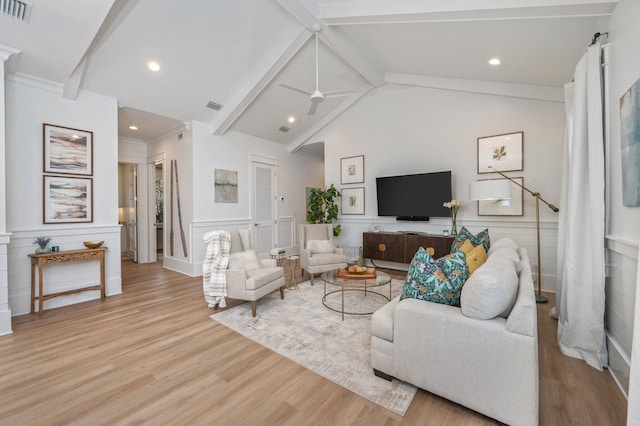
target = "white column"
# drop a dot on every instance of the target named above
(5, 311)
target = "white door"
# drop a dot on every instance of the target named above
(263, 206)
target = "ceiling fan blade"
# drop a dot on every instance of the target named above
(313, 108)
(345, 92)
(294, 88)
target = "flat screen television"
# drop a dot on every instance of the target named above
(414, 197)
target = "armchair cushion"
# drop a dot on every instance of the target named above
(244, 260)
(320, 259)
(321, 246)
(261, 276)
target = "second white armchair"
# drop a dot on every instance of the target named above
(318, 252)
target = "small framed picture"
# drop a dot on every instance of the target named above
(352, 169)
(352, 200)
(67, 199)
(511, 207)
(67, 151)
(502, 152)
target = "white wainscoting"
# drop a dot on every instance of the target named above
(620, 293)
(66, 276)
(522, 232)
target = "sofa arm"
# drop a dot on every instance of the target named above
(305, 256)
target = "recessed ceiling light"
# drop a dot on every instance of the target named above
(494, 61)
(154, 66)
(133, 127)
(291, 119)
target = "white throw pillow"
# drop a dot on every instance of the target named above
(245, 260)
(506, 254)
(491, 291)
(502, 242)
(321, 246)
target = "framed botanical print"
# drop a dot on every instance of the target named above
(67, 151)
(67, 199)
(352, 170)
(502, 152)
(511, 207)
(352, 200)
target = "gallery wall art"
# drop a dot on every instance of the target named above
(67, 199)
(225, 184)
(67, 150)
(502, 152)
(630, 143)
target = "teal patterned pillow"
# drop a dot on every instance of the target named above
(438, 280)
(481, 238)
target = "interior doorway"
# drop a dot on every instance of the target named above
(159, 209)
(127, 210)
(263, 212)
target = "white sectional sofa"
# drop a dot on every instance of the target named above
(482, 355)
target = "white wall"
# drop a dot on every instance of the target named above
(30, 103)
(624, 231)
(403, 129)
(171, 147)
(233, 152)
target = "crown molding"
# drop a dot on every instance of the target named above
(37, 82)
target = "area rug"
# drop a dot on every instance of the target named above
(303, 330)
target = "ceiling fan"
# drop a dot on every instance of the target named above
(317, 96)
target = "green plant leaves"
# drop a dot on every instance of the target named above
(322, 207)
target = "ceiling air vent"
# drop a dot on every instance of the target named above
(17, 9)
(211, 104)
(284, 129)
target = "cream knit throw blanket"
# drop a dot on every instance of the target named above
(214, 279)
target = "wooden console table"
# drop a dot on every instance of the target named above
(80, 255)
(401, 247)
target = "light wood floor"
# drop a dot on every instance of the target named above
(153, 356)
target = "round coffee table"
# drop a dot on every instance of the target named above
(353, 284)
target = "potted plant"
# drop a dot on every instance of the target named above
(322, 207)
(43, 244)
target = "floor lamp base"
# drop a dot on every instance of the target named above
(541, 299)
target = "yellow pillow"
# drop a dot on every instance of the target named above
(475, 258)
(466, 247)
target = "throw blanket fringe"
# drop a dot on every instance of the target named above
(214, 279)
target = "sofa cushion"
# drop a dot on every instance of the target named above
(491, 291)
(507, 254)
(438, 280)
(245, 260)
(481, 238)
(502, 242)
(321, 246)
(263, 276)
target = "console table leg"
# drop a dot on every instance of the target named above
(40, 288)
(33, 286)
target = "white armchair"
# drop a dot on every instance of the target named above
(250, 278)
(318, 252)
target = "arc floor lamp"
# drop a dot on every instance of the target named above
(501, 189)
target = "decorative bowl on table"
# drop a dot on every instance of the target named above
(92, 245)
(356, 269)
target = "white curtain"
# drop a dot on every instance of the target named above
(580, 297)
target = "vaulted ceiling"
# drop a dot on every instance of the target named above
(238, 54)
